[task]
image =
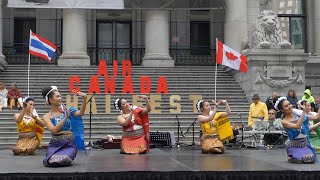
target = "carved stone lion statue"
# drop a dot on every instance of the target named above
(266, 32)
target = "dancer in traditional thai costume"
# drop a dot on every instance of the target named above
(215, 126)
(299, 148)
(313, 127)
(30, 129)
(135, 126)
(66, 127)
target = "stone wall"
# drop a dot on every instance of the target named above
(273, 70)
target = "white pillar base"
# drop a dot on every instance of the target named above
(157, 60)
(157, 63)
(157, 40)
(74, 59)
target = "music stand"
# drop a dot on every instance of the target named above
(89, 146)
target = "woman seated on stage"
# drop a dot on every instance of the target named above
(30, 129)
(299, 148)
(313, 127)
(135, 126)
(66, 127)
(210, 141)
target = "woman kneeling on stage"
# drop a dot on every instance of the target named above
(66, 127)
(210, 141)
(299, 148)
(30, 128)
(135, 126)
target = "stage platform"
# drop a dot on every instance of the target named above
(163, 163)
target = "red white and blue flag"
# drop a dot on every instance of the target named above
(40, 47)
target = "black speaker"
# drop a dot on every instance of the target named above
(160, 139)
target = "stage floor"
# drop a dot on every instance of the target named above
(160, 160)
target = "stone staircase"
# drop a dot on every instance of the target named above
(182, 81)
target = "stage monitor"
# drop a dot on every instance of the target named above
(162, 139)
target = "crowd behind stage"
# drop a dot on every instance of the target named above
(298, 118)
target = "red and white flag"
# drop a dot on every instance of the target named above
(231, 58)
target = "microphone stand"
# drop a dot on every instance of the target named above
(193, 144)
(178, 131)
(242, 128)
(89, 146)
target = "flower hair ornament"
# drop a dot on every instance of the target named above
(46, 97)
(278, 101)
(198, 105)
(116, 104)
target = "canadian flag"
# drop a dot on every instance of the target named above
(231, 58)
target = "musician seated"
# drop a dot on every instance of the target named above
(258, 110)
(274, 123)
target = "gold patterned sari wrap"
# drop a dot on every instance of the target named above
(214, 133)
(30, 135)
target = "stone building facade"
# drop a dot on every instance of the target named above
(164, 35)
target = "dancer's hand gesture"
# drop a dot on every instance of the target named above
(79, 93)
(143, 97)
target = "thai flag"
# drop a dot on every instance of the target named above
(40, 47)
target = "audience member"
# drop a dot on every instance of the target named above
(3, 96)
(14, 97)
(274, 123)
(292, 98)
(272, 100)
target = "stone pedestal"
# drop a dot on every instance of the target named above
(3, 62)
(74, 38)
(273, 70)
(313, 74)
(157, 40)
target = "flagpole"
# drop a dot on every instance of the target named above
(28, 73)
(29, 63)
(215, 75)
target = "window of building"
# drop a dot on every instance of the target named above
(200, 38)
(292, 17)
(22, 28)
(113, 40)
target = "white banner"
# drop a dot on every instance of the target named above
(61, 4)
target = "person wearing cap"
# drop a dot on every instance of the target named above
(258, 110)
(30, 129)
(66, 126)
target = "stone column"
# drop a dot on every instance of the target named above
(74, 38)
(236, 23)
(157, 40)
(3, 63)
(317, 27)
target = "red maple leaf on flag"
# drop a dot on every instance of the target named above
(231, 56)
